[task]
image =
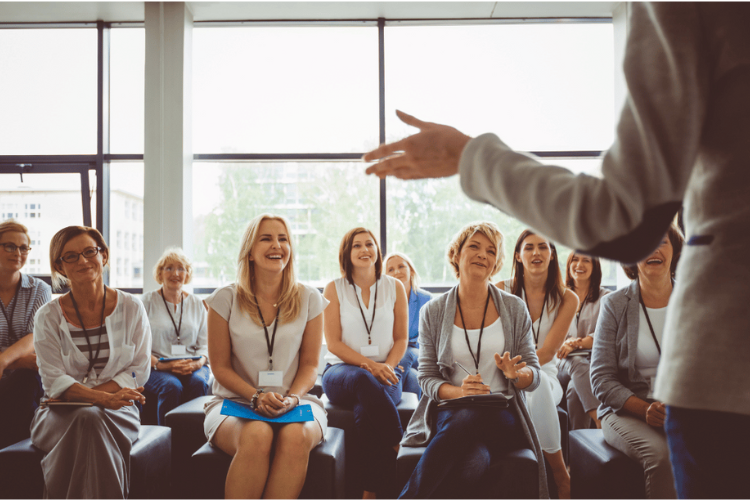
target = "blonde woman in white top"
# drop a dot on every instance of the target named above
(264, 338)
(538, 281)
(366, 332)
(178, 330)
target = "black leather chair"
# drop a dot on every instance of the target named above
(598, 470)
(150, 462)
(343, 418)
(325, 471)
(513, 476)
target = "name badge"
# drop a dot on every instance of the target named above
(651, 389)
(369, 350)
(178, 350)
(271, 378)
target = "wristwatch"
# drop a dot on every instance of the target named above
(254, 400)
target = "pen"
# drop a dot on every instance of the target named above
(135, 380)
(462, 367)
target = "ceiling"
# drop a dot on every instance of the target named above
(45, 12)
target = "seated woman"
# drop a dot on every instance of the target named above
(366, 332)
(537, 280)
(178, 329)
(627, 348)
(21, 296)
(92, 345)
(467, 329)
(400, 266)
(264, 339)
(583, 275)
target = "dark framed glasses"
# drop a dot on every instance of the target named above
(11, 248)
(72, 257)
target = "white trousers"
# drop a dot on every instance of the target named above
(542, 404)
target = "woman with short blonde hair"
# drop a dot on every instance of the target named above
(179, 348)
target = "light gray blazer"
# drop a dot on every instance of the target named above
(436, 365)
(614, 376)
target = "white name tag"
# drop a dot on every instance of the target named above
(271, 379)
(369, 350)
(178, 350)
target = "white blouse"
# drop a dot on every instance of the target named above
(493, 341)
(647, 357)
(194, 329)
(353, 330)
(62, 364)
(249, 349)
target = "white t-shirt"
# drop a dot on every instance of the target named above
(249, 349)
(353, 330)
(493, 341)
(647, 357)
(193, 332)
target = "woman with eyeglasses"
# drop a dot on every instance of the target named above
(179, 334)
(21, 296)
(93, 347)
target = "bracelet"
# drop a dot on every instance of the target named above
(156, 366)
(290, 395)
(254, 400)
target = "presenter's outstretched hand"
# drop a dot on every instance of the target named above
(432, 152)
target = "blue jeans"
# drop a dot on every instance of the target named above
(709, 451)
(410, 363)
(20, 392)
(172, 390)
(375, 417)
(461, 451)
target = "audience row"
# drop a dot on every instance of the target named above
(95, 351)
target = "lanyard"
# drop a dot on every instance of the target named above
(92, 358)
(648, 320)
(372, 321)
(539, 328)
(12, 311)
(270, 342)
(481, 330)
(177, 329)
(580, 309)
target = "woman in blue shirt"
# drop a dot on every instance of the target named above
(400, 266)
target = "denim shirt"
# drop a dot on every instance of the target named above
(417, 299)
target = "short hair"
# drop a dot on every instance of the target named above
(553, 285)
(345, 253)
(413, 276)
(290, 297)
(173, 254)
(595, 281)
(11, 226)
(488, 229)
(676, 239)
(60, 239)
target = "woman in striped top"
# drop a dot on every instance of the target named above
(93, 346)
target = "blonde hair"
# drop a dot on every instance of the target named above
(290, 297)
(56, 246)
(413, 276)
(490, 230)
(11, 226)
(173, 254)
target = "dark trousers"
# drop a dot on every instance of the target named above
(20, 392)
(456, 461)
(410, 363)
(709, 451)
(375, 416)
(172, 390)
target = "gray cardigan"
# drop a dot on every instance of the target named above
(614, 376)
(436, 365)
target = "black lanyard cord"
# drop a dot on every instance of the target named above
(580, 309)
(481, 330)
(92, 358)
(177, 329)
(648, 320)
(374, 304)
(270, 342)
(539, 328)
(12, 311)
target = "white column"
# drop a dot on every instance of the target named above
(168, 155)
(621, 28)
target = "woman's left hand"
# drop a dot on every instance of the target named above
(509, 367)
(185, 366)
(289, 402)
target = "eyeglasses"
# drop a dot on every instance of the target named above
(11, 248)
(89, 253)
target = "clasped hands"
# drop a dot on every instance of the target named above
(569, 346)
(182, 366)
(273, 404)
(384, 372)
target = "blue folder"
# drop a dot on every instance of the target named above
(300, 413)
